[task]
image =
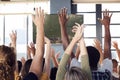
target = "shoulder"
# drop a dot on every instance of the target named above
(31, 76)
(101, 75)
(107, 65)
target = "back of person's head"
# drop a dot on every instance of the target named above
(26, 67)
(19, 65)
(94, 57)
(7, 62)
(53, 73)
(115, 63)
(75, 73)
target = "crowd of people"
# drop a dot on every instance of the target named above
(95, 63)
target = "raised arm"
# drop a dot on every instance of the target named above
(97, 45)
(47, 57)
(32, 48)
(54, 58)
(62, 66)
(38, 20)
(115, 45)
(107, 39)
(28, 52)
(62, 15)
(31, 51)
(13, 37)
(84, 55)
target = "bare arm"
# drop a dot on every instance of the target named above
(107, 40)
(115, 45)
(28, 53)
(62, 66)
(38, 19)
(97, 45)
(84, 55)
(77, 51)
(47, 57)
(13, 37)
(62, 15)
(54, 59)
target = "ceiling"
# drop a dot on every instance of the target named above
(74, 1)
(23, 0)
(96, 1)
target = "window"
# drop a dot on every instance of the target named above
(115, 25)
(89, 14)
(18, 16)
(90, 32)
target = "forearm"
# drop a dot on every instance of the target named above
(84, 59)
(70, 47)
(77, 52)
(118, 52)
(62, 67)
(55, 62)
(101, 55)
(47, 59)
(107, 44)
(38, 58)
(64, 36)
(28, 56)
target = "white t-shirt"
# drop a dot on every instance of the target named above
(106, 65)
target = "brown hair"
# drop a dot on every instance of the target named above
(7, 62)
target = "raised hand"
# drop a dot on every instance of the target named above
(62, 16)
(115, 44)
(13, 37)
(106, 18)
(97, 44)
(38, 18)
(32, 48)
(78, 29)
(107, 39)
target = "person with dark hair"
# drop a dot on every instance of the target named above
(19, 66)
(105, 70)
(26, 68)
(115, 74)
(7, 63)
(8, 59)
(115, 45)
(53, 73)
(94, 57)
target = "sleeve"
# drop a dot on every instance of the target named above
(107, 65)
(62, 67)
(85, 66)
(30, 76)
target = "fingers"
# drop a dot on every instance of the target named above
(62, 12)
(76, 26)
(101, 21)
(36, 12)
(111, 15)
(106, 13)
